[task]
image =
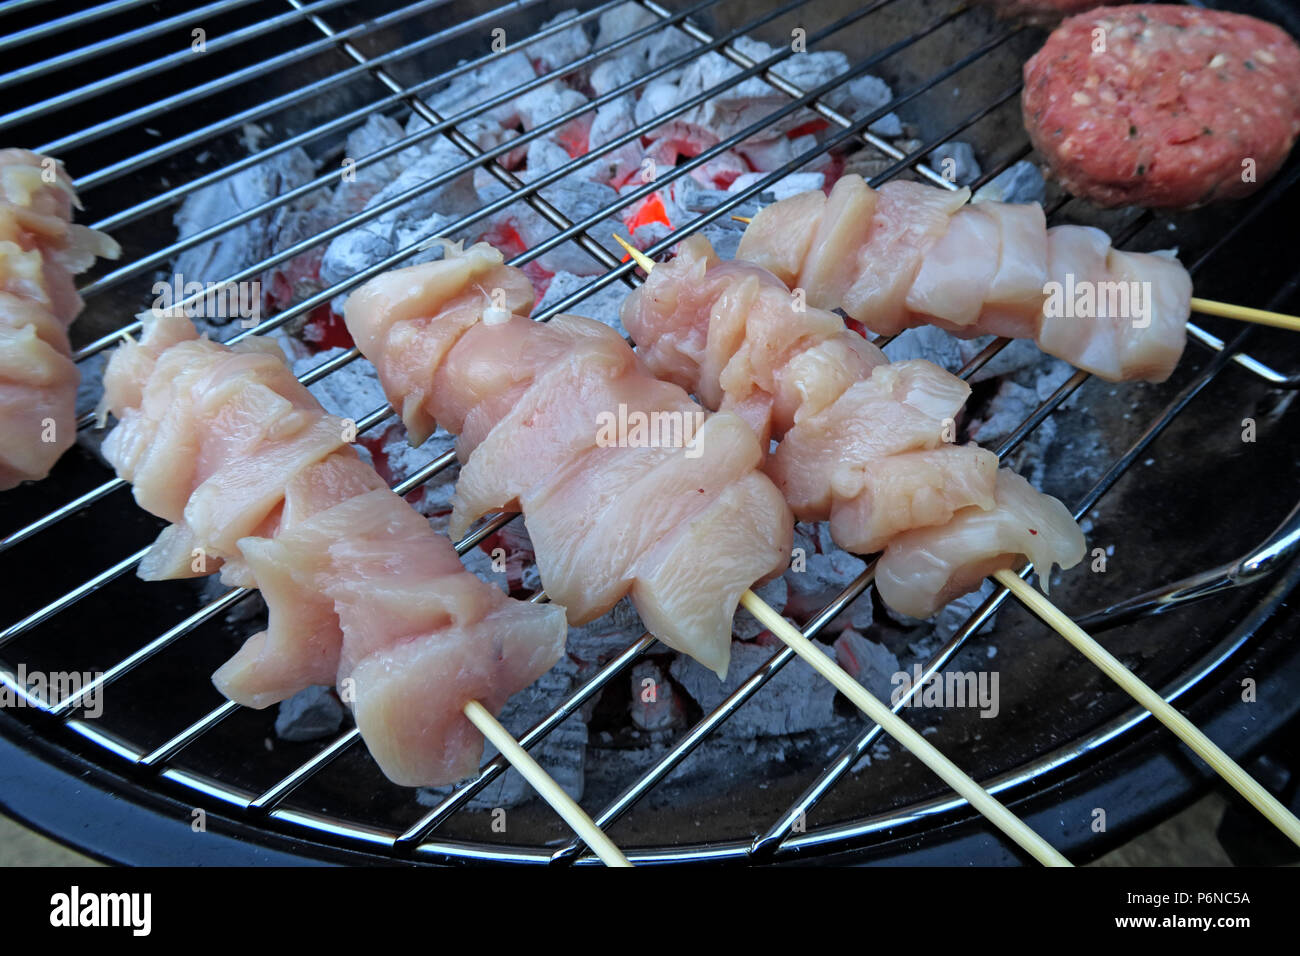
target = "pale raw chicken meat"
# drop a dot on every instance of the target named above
(392, 320)
(610, 514)
(915, 489)
(1119, 315)
(41, 249)
(956, 273)
(1014, 303)
(779, 241)
(900, 407)
(861, 442)
(926, 568)
(984, 269)
(909, 220)
(361, 592)
(739, 339)
(421, 636)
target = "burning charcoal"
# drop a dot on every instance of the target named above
(796, 699)
(594, 643)
(621, 21)
(352, 391)
(378, 132)
(603, 304)
(653, 706)
(236, 249)
(560, 49)
(964, 168)
(310, 714)
(872, 665)
(783, 188)
(643, 237)
(549, 101)
(611, 73)
(866, 94)
(1022, 182)
(653, 50)
(1018, 355)
(928, 342)
(575, 198)
(562, 753)
(399, 461)
(818, 572)
(657, 98)
(483, 83)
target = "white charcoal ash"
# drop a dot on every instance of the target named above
(657, 97)
(720, 171)
(311, 714)
(612, 73)
(766, 155)
(576, 199)
(869, 663)
(783, 188)
(400, 461)
(1016, 356)
(562, 753)
(864, 95)
(596, 642)
(602, 305)
(352, 391)
(236, 249)
(815, 578)
(776, 593)
(551, 101)
(477, 86)
(928, 342)
(369, 177)
(954, 614)
(650, 234)
(558, 50)
(955, 161)
(795, 700)
(653, 50)
(654, 705)
(1020, 183)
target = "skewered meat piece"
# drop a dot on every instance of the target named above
(676, 516)
(260, 482)
(919, 255)
(862, 442)
(41, 249)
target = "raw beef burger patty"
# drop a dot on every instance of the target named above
(1168, 114)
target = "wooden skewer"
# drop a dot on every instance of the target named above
(542, 782)
(891, 723)
(1242, 313)
(1220, 762)
(1186, 731)
(900, 730)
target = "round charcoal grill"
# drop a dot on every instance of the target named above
(1195, 523)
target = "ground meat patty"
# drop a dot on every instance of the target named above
(1043, 11)
(1169, 112)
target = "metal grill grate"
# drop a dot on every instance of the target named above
(328, 41)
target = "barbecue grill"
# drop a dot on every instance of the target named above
(143, 119)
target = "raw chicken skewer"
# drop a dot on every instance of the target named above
(261, 484)
(41, 249)
(538, 409)
(909, 254)
(930, 539)
(448, 348)
(862, 442)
